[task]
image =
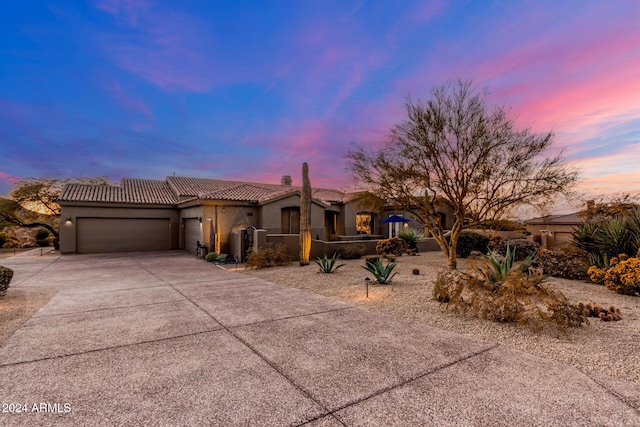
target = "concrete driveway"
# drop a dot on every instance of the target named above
(166, 339)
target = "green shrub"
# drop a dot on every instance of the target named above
(604, 239)
(393, 246)
(350, 251)
(328, 265)
(411, 236)
(216, 258)
(270, 256)
(469, 241)
(523, 248)
(6, 274)
(41, 234)
(381, 272)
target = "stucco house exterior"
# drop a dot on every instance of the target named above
(553, 231)
(180, 212)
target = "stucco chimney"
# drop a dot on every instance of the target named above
(286, 180)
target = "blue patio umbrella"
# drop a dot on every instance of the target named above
(394, 218)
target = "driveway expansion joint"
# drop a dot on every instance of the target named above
(119, 307)
(608, 390)
(97, 350)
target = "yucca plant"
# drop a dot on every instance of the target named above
(328, 265)
(381, 272)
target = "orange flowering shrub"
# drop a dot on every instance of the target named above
(622, 276)
(597, 275)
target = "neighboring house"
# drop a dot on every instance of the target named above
(179, 212)
(553, 231)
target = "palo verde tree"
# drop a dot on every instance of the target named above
(305, 216)
(33, 202)
(457, 150)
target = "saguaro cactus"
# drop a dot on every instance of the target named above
(305, 216)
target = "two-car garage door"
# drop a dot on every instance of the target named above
(96, 235)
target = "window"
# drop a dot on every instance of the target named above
(290, 221)
(365, 223)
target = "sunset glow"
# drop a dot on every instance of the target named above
(251, 90)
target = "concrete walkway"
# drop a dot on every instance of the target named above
(166, 339)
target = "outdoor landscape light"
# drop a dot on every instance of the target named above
(366, 286)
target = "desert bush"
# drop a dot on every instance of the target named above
(590, 309)
(393, 246)
(6, 274)
(523, 248)
(470, 241)
(381, 272)
(412, 237)
(216, 258)
(328, 265)
(350, 251)
(622, 276)
(520, 299)
(606, 238)
(270, 256)
(41, 234)
(565, 264)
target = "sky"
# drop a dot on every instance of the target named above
(249, 90)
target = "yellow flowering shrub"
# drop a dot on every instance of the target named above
(597, 275)
(622, 276)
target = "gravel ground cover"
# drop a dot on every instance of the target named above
(612, 348)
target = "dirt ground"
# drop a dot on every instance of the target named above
(18, 305)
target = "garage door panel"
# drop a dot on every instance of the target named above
(191, 234)
(96, 235)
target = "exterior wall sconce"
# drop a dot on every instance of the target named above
(209, 219)
(200, 220)
(68, 221)
(224, 210)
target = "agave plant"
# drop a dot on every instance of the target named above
(328, 265)
(381, 272)
(499, 270)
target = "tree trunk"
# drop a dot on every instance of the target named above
(20, 223)
(305, 216)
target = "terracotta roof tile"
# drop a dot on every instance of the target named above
(175, 189)
(136, 191)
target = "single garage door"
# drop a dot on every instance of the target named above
(96, 235)
(191, 234)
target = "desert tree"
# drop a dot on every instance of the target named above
(305, 216)
(455, 149)
(33, 202)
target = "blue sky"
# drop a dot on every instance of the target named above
(250, 90)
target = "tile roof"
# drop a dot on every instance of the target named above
(573, 218)
(175, 189)
(136, 191)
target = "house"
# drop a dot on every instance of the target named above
(188, 213)
(553, 231)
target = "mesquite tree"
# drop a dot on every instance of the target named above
(456, 150)
(305, 216)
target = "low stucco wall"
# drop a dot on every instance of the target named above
(320, 248)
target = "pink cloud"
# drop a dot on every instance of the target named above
(8, 178)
